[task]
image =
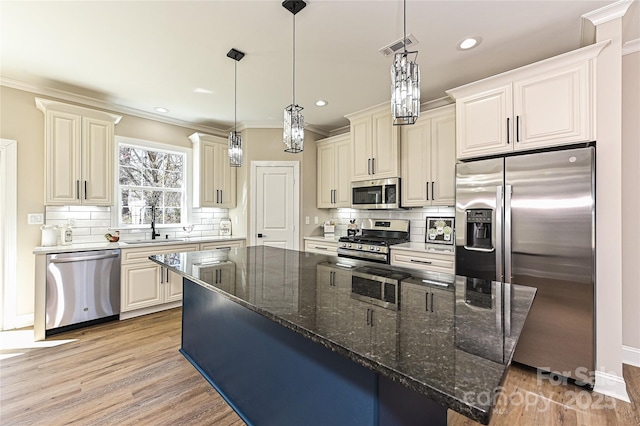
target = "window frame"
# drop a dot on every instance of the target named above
(185, 216)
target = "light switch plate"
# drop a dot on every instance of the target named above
(35, 218)
(306, 220)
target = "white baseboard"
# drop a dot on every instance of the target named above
(22, 321)
(631, 356)
(611, 385)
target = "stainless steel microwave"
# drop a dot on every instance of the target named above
(376, 194)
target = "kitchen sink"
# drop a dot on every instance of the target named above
(159, 240)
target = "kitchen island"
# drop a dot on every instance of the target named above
(291, 337)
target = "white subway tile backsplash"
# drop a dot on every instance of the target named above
(91, 223)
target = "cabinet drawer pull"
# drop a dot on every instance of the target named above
(321, 248)
(224, 248)
(426, 262)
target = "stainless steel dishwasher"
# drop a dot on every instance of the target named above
(83, 288)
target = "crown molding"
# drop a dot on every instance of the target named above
(274, 124)
(97, 103)
(608, 12)
(632, 46)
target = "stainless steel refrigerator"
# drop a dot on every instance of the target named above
(529, 219)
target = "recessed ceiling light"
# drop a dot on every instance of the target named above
(469, 43)
(321, 103)
(162, 110)
(201, 90)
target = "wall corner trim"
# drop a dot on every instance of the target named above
(631, 356)
(611, 385)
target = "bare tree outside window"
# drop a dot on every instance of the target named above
(149, 178)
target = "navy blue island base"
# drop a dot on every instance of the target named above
(271, 375)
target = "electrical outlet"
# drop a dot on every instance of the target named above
(315, 220)
(35, 218)
(306, 220)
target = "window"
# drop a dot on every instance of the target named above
(150, 176)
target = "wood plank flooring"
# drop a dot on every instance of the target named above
(130, 372)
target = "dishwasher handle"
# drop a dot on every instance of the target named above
(83, 258)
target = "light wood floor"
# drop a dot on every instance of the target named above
(130, 372)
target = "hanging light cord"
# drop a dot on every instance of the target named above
(294, 59)
(404, 40)
(235, 96)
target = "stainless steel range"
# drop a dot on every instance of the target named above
(377, 236)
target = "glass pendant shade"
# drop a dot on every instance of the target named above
(235, 149)
(405, 89)
(293, 129)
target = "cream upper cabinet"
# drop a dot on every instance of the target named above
(334, 165)
(429, 158)
(79, 154)
(547, 103)
(214, 180)
(375, 147)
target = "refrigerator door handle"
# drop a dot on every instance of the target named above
(498, 235)
(507, 233)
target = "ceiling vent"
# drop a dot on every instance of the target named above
(397, 45)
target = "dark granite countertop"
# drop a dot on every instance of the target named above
(444, 336)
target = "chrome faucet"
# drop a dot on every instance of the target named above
(153, 223)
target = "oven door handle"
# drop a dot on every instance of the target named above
(362, 254)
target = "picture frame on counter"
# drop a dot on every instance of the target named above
(439, 230)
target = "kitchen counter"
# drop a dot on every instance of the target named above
(104, 245)
(425, 248)
(320, 238)
(452, 355)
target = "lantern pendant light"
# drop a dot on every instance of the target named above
(405, 84)
(293, 126)
(235, 139)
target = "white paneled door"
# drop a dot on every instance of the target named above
(276, 206)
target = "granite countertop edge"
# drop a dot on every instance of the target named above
(90, 246)
(467, 410)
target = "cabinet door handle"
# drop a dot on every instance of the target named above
(426, 301)
(433, 190)
(517, 128)
(369, 166)
(426, 262)
(373, 169)
(161, 275)
(427, 191)
(508, 130)
(368, 310)
(167, 274)
(85, 189)
(371, 321)
(77, 189)
(432, 302)
(221, 197)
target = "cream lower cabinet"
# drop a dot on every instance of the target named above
(544, 104)
(214, 180)
(220, 245)
(426, 261)
(322, 247)
(429, 159)
(333, 169)
(375, 148)
(79, 154)
(145, 284)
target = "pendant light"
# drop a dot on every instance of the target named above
(405, 83)
(293, 127)
(235, 139)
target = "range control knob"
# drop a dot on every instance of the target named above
(377, 248)
(349, 245)
(372, 248)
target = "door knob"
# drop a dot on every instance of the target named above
(262, 236)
